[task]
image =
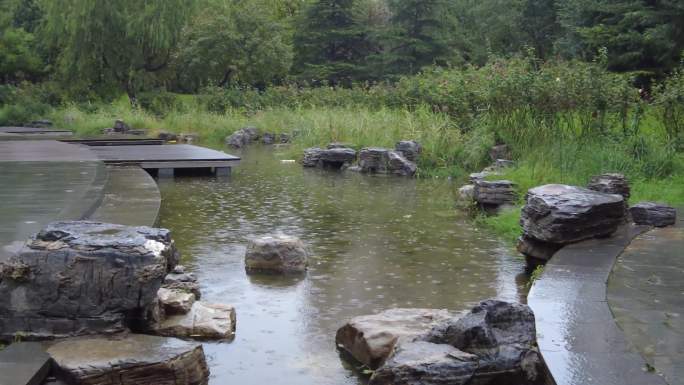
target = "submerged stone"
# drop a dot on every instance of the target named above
(83, 277)
(370, 339)
(129, 360)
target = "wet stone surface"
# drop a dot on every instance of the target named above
(375, 243)
(646, 294)
(576, 332)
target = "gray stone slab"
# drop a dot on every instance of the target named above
(576, 331)
(130, 197)
(24, 363)
(646, 295)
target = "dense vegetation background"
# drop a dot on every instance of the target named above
(575, 87)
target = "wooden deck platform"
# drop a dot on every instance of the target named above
(166, 157)
(115, 142)
(34, 131)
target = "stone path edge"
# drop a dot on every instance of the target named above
(577, 334)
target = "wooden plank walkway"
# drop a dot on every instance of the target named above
(165, 156)
(44, 151)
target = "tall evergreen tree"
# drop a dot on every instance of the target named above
(329, 43)
(418, 36)
(540, 21)
(645, 35)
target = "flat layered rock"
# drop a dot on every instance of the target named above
(179, 279)
(610, 184)
(175, 301)
(410, 149)
(376, 160)
(276, 254)
(653, 214)
(203, 321)
(565, 214)
(495, 193)
(129, 360)
(370, 339)
(83, 277)
(426, 363)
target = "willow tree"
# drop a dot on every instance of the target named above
(125, 42)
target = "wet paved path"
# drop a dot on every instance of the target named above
(646, 295)
(577, 334)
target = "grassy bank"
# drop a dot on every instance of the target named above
(563, 121)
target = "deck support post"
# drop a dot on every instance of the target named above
(222, 171)
(165, 173)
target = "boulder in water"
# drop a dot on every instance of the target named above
(371, 339)
(493, 344)
(376, 160)
(276, 254)
(83, 277)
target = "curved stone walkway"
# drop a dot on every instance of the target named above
(576, 332)
(646, 295)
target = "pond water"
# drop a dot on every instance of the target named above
(375, 243)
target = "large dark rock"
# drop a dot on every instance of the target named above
(489, 325)
(370, 339)
(493, 344)
(610, 184)
(129, 360)
(653, 214)
(278, 254)
(243, 137)
(564, 214)
(268, 138)
(312, 157)
(335, 157)
(397, 164)
(495, 193)
(410, 149)
(377, 160)
(83, 277)
(373, 160)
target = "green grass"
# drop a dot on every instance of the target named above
(506, 224)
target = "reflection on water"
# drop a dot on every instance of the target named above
(376, 242)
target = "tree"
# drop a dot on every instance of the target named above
(640, 35)
(419, 35)
(238, 43)
(19, 59)
(330, 44)
(540, 22)
(120, 41)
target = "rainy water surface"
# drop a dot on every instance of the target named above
(375, 243)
